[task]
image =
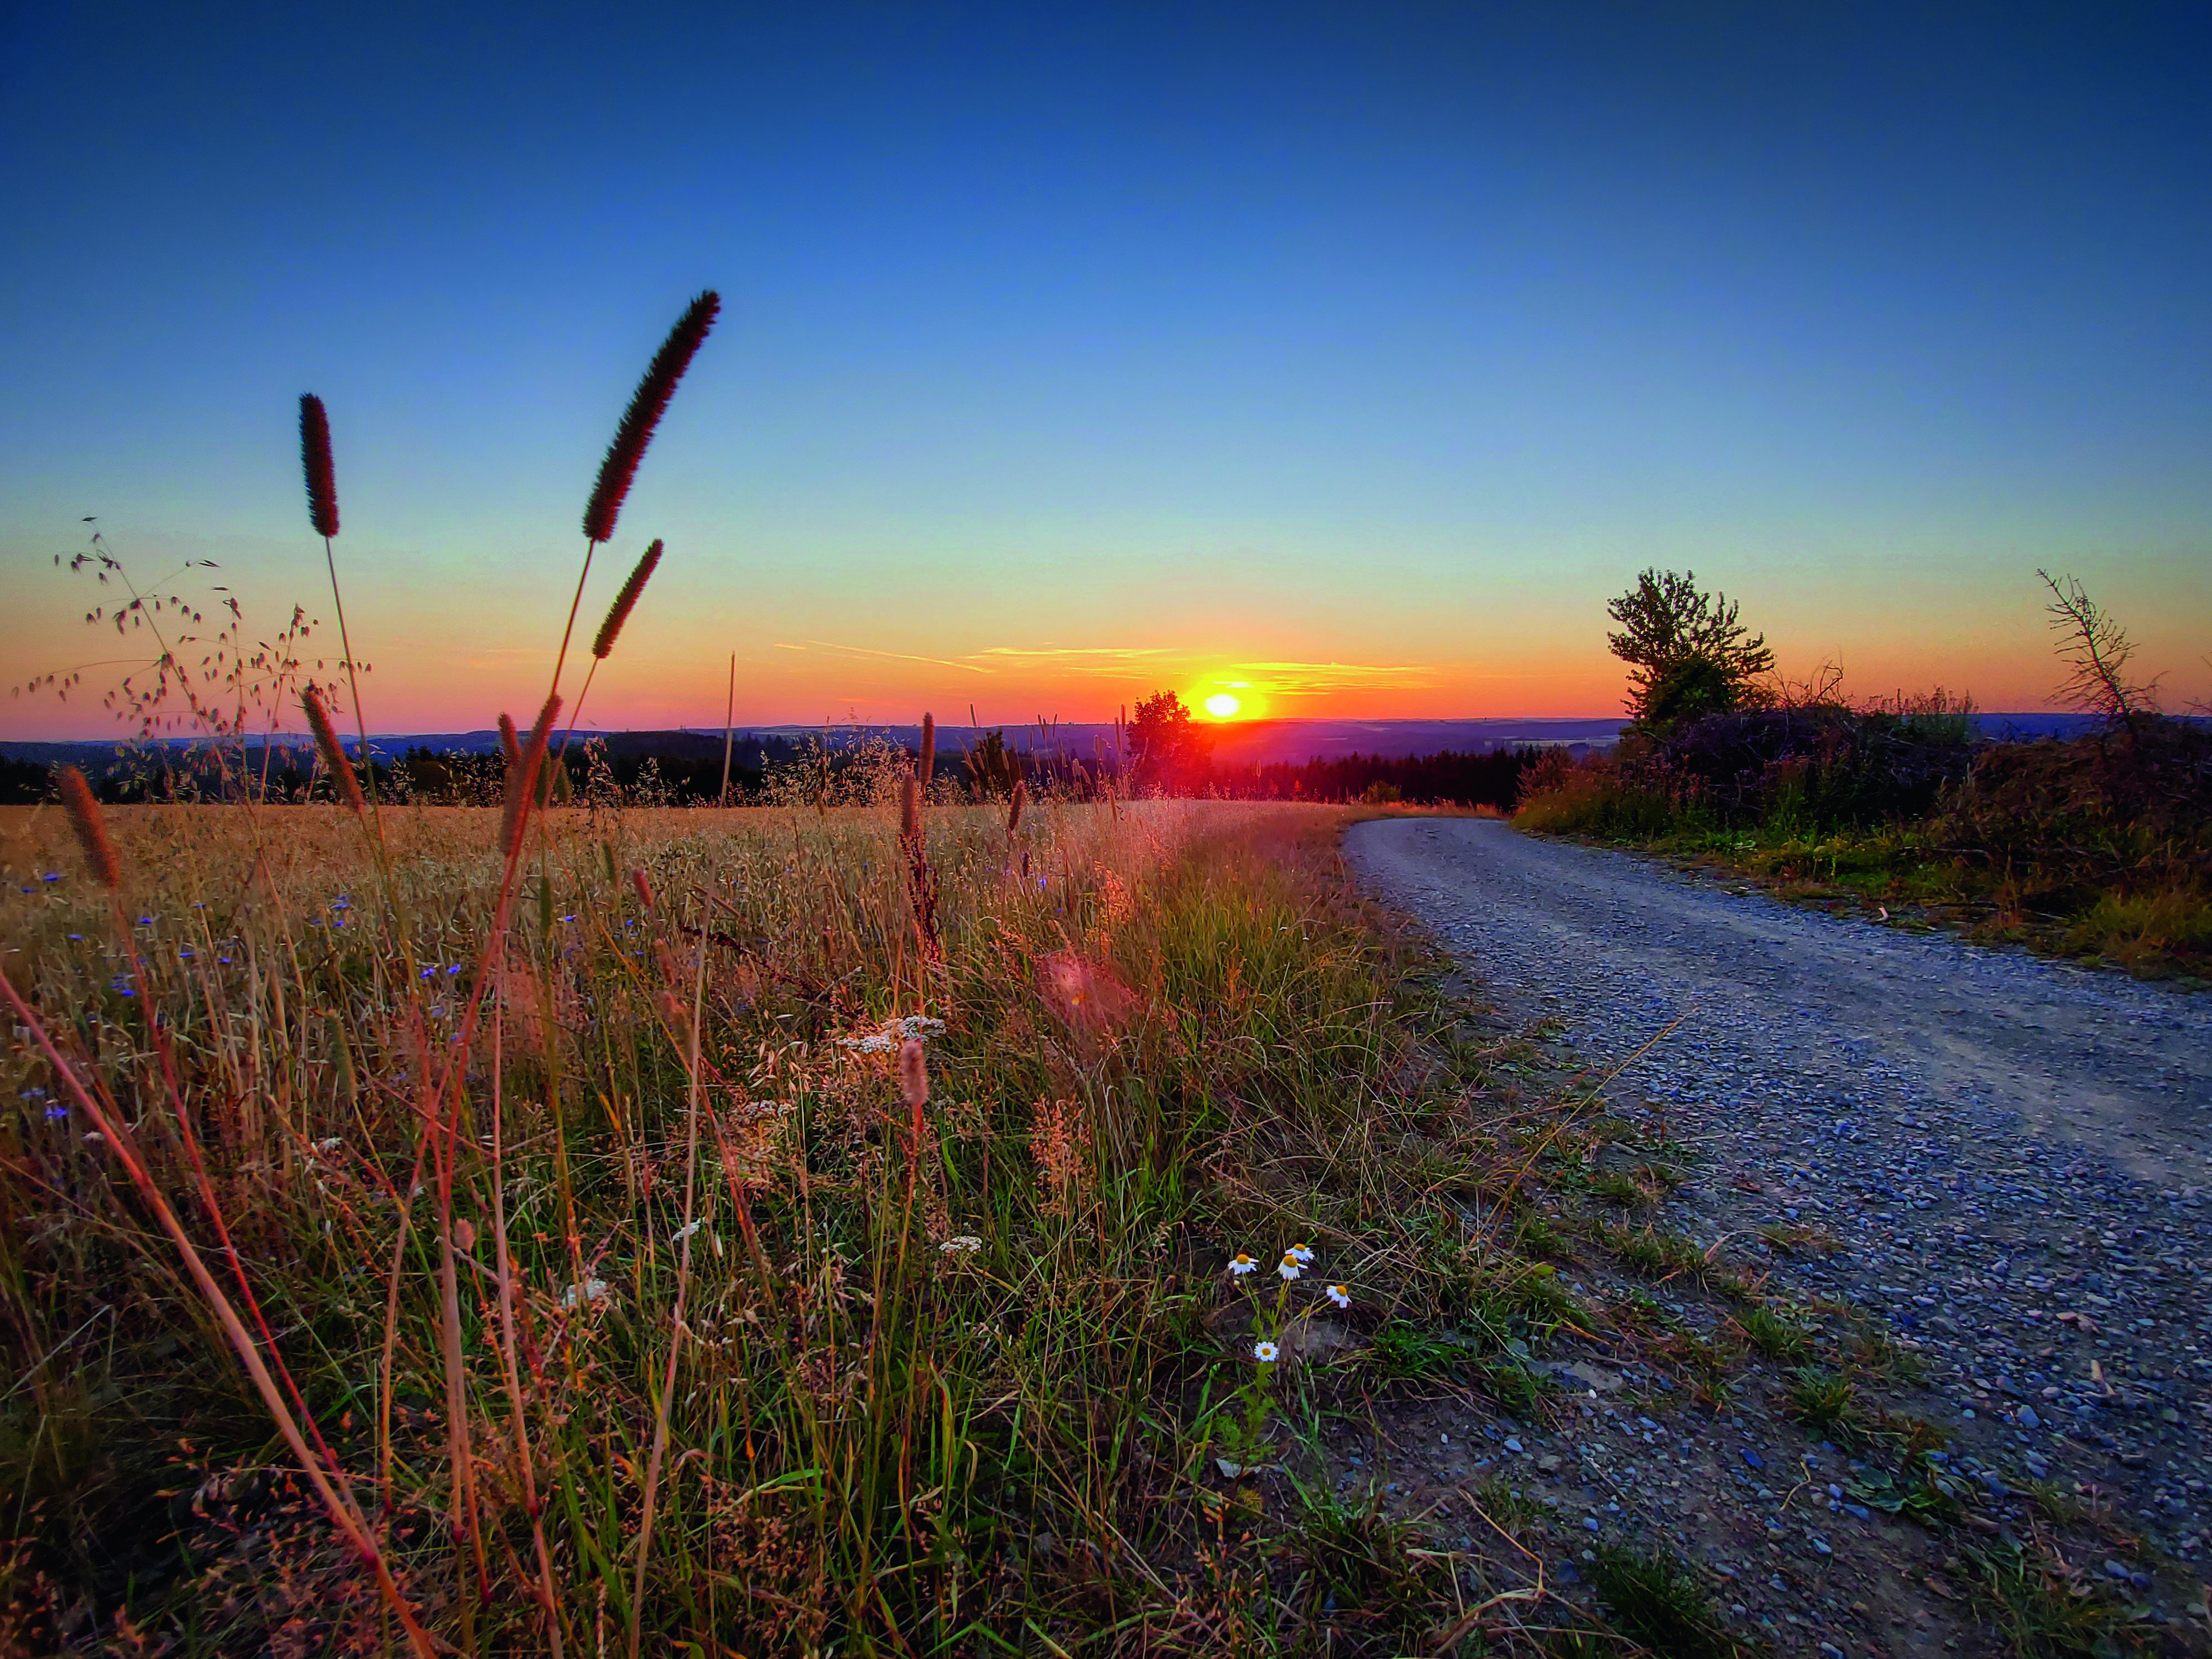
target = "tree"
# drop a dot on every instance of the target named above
(1165, 747)
(1688, 654)
(2097, 649)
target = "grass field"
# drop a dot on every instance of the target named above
(600, 1340)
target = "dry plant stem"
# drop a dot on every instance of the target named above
(526, 1474)
(569, 632)
(683, 1288)
(342, 1514)
(353, 690)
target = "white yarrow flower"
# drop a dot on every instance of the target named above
(1341, 1296)
(1240, 1264)
(592, 1290)
(966, 1244)
(685, 1231)
(1266, 1352)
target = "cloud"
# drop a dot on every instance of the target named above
(1100, 660)
(1299, 680)
(869, 651)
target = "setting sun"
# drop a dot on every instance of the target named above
(1222, 706)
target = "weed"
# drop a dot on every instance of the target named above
(1773, 1335)
(1823, 1401)
(1655, 1598)
(2046, 1609)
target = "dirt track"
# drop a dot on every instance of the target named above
(1994, 1141)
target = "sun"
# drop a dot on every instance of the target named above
(1222, 706)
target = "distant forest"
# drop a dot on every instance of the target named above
(685, 769)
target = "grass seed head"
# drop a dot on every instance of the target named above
(327, 739)
(926, 768)
(1021, 799)
(315, 462)
(509, 744)
(83, 809)
(522, 779)
(625, 601)
(647, 405)
(913, 1076)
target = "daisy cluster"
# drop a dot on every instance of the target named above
(1290, 1268)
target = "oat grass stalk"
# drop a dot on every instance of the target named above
(84, 817)
(926, 767)
(334, 757)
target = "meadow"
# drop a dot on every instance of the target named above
(657, 1239)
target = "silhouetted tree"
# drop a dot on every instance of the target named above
(1685, 649)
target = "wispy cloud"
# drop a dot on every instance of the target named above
(869, 651)
(1079, 651)
(1298, 679)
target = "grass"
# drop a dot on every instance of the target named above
(2157, 926)
(852, 1362)
(1655, 1599)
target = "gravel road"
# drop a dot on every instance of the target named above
(2014, 1153)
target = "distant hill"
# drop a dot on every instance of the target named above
(1243, 743)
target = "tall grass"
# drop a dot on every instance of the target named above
(862, 1429)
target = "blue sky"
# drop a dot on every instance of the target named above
(1359, 353)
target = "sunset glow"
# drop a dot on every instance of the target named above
(1223, 706)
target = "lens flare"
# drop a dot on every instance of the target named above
(1222, 706)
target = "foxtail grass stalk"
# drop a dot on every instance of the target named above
(323, 513)
(676, 1328)
(729, 720)
(503, 1265)
(344, 1514)
(632, 433)
(84, 817)
(603, 643)
(327, 739)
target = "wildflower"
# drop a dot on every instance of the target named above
(56, 1114)
(1288, 1267)
(1303, 1255)
(687, 1230)
(1266, 1352)
(1341, 1296)
(592, 1290)
(966, 1244)
(1240, 1264)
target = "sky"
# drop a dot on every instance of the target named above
(1343, 359)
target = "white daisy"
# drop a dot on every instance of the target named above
(1240, 1264)
(1265, 1353)
(1300, 1253)
(1341, 1296)
(1288, 1267)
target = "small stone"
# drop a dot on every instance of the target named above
(1549, 1462)
(2114, 1569)
(1753, 1458)
(2028, 1418)
(1590, 1520)
(1512, 1444)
